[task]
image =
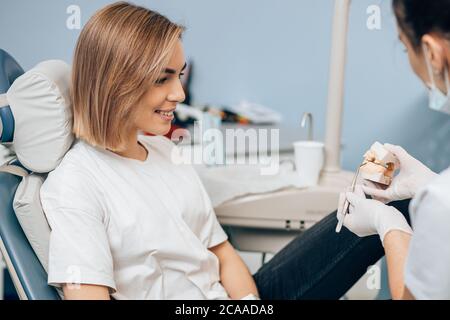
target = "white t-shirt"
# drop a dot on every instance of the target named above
(427, 273)
(141, 228)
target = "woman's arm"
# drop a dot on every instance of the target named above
(396, 244)
(85, 292)
(234, 274)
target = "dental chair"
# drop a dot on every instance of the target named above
(36, 126)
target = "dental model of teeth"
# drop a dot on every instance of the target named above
(379, 165)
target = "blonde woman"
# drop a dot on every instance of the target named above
(129, 223)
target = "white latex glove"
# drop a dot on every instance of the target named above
(368, 217)
(412, 176)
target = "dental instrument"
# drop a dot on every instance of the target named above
(346, 204)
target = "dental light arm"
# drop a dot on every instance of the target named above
(335, 108)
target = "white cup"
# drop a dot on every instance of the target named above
(309, 160)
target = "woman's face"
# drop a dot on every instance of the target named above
(155, 109)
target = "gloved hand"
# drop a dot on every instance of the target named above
(367, 217)
(412, 176)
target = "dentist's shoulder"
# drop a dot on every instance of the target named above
(437, 191)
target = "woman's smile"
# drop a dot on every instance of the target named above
(166, 115)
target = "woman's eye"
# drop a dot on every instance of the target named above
(165, 79)
(161, 81)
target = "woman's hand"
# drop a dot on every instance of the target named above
(368, 217)
(412, 176)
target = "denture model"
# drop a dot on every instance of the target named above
(379, 165)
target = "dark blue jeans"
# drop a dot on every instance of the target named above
(320, 263)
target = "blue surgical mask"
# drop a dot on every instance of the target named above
(438, 100)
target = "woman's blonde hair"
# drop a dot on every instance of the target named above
(120, 53)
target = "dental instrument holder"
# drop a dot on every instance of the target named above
(336, 81)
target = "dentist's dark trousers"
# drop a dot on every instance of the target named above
(320, 263)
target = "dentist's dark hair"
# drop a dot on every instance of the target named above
(417, 18)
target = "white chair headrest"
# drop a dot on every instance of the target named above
(40, 103)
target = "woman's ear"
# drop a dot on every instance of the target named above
(435, 53)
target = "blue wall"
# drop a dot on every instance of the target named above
(275, 53)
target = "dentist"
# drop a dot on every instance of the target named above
(418, 262)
